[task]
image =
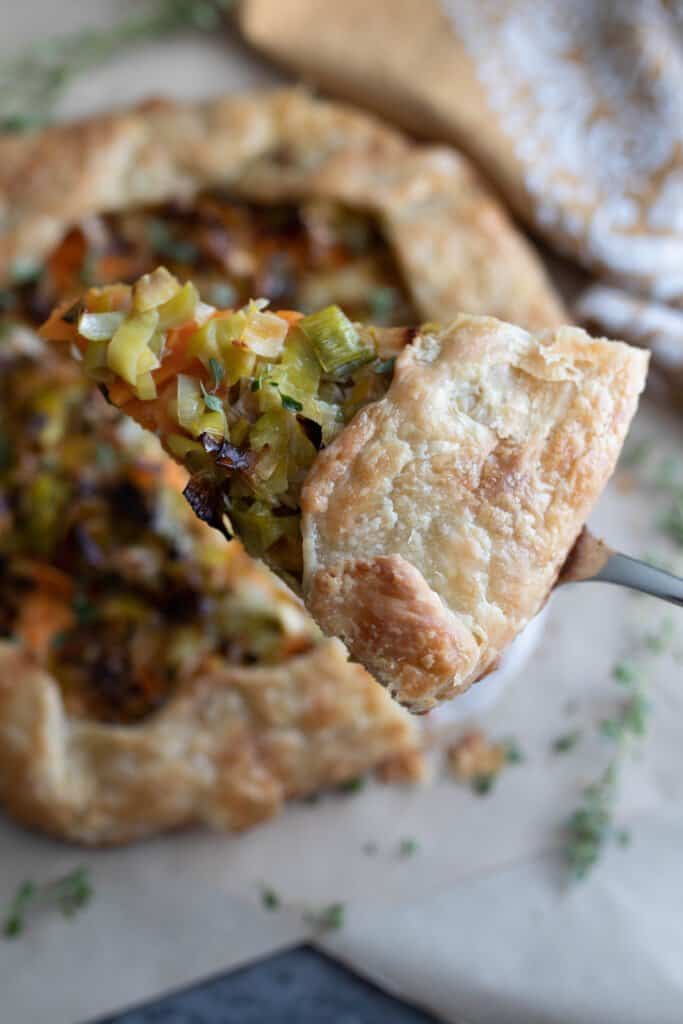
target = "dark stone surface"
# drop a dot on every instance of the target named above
(298, 987)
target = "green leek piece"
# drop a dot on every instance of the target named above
(147, 361)
(181, 446)
(336, 341)
(99, 326)
(180, 309)
(264, 333)
(213, 422)
(129, 342)
(145, 388)
(190, 402)
(95, 358)
(154, 290)
(259, 528)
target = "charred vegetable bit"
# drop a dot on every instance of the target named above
(244, 398)
(105, 577)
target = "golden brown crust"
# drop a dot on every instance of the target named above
(456, 499)
(227, 751)
(454, 243)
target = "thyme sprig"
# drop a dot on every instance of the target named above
(69, 893)
(591, 827)
(32, 82)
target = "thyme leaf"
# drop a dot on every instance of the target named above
(69, 894)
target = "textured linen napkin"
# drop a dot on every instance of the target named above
(574, 111)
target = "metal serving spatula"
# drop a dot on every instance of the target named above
(591, 559)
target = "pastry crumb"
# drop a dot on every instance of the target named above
(408, 766)
(476, 760)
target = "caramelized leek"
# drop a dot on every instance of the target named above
(154, 290)
(190, 402)
(336, 341)
(99, 326)
(181, 309)
(129, 342)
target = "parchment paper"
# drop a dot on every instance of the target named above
(478, 923)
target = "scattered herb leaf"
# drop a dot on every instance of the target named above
(327, 919)
(212, 402)
(217, 371)
(291, 403)
(566, 742)
(408, 847)
(353, 785)
(270, 898)
(482, 784)
(70, 893)
(513, 752)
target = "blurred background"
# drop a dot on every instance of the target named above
(527, 868)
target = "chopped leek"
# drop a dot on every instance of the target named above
(260, 528)
(213, 423)
(128, 344)
(237, 361)
(180, 309)
(190, 402)
(99, 326)
(147, 361)
(145, 388)
(336, 341)
(95, 358)
(154, 290)
(181, 446)
(264, 333)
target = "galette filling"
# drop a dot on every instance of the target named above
(301, 256)
(104, 576)
(243, 398)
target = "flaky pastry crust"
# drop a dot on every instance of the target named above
(453, 242)
(227, 750)
(436, 523)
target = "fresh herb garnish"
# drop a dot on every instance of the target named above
(563, 744)
(482, 784)
(591, 826)
(270, 898)
(32, 82)
(291, 404)
(212, 402)
(327, 919)
(217, 371)
(70, 893)
(513, 752)
(353, 785)
(408, 847)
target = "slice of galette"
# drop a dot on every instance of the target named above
(421, 488)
